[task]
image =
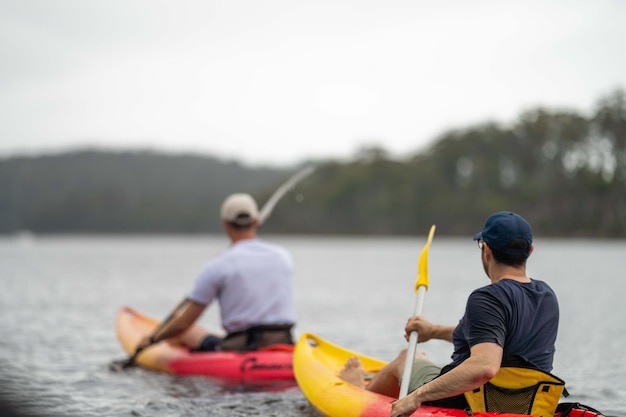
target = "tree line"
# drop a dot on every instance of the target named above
(96, 191)
(562, 170)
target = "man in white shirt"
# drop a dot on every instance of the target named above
(252, 281)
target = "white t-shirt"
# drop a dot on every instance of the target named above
(252, 281)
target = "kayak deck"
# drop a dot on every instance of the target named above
(317, 363)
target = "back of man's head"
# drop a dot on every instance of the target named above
(509, 236)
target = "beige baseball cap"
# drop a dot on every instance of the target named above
(240, 209)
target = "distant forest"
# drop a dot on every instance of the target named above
(564, 171)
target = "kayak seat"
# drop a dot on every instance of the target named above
(519, 387)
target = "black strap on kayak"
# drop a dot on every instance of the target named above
(252, 337)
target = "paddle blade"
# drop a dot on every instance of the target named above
(422, 267)
(120, 365)
(266, 210)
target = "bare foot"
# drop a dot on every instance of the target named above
(353, 372)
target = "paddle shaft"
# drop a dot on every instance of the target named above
(410, 354)
(421, 286)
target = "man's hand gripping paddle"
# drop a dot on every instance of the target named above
(127, 363)
(421, 286)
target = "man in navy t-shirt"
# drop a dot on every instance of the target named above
(514, 315)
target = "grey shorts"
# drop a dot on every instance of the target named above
(210, 344)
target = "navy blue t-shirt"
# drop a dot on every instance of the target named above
(523, 318)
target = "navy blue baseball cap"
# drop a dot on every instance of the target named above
(502, 228)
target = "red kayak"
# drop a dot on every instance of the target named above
(270, 363)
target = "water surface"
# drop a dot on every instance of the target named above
(60, 296)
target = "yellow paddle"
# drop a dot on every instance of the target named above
(421, 286)
(267, 208)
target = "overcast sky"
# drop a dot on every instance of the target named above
(281, 81)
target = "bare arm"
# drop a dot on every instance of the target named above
(479, 368)
(186, 315)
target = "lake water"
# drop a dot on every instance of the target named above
(59, 297)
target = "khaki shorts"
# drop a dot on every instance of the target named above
(423, 371)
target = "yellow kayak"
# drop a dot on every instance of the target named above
(317, 363)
